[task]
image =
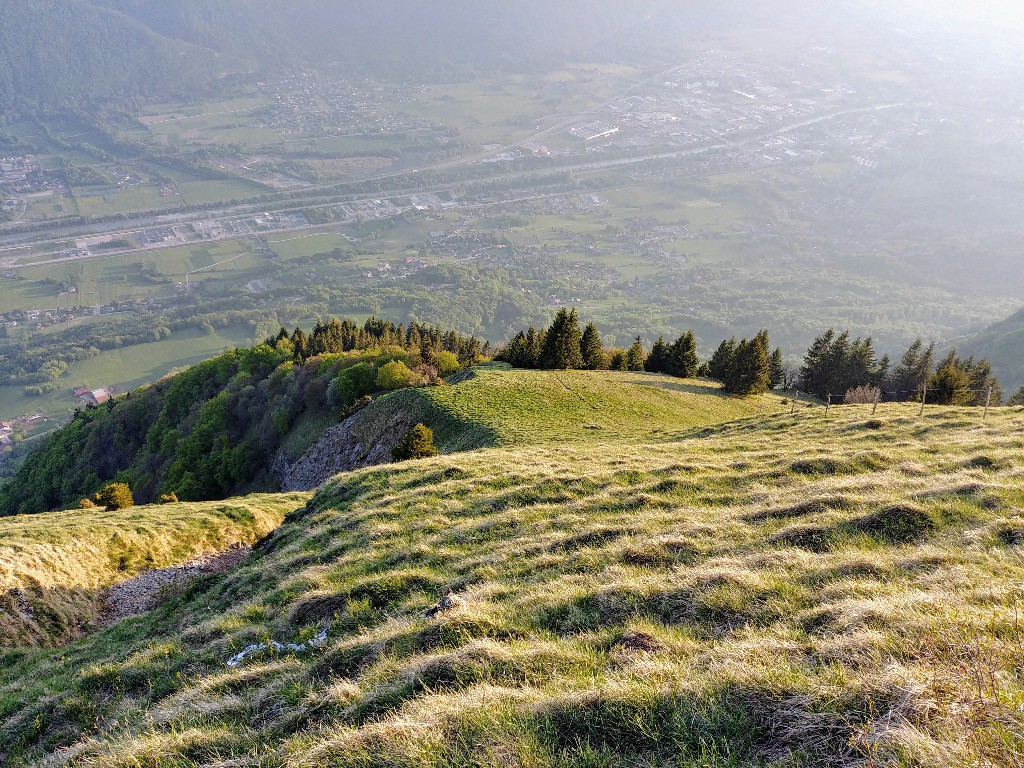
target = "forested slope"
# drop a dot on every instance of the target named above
(70, 55)
(214, 430)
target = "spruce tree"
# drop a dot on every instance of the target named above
(301, 345)
(531, 355)
(912, 371)
(561, 346)
(777, 372)
(636, 357)
(720, 364)
(751, 369)
(657, 361)
(682, 357)
(590, 346)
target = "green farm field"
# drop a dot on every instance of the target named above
(129, 367)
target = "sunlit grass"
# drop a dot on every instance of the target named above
(622, 602)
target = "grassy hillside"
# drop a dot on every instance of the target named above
(214, 430)
(496, 405)
(779, 590)
(54, 567)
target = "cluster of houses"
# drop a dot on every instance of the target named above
(10, 430)
(318, 103)
(93, 397)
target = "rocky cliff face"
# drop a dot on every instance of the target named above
(356, 442)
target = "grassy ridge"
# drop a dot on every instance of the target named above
(55, 566)
(779, 590)
(495, 405)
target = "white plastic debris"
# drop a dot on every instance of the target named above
(276, 647)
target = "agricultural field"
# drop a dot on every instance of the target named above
(128, 368)
(778, 589)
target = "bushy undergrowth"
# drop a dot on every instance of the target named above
(613, 603)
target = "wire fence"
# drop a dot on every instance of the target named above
(982, 399)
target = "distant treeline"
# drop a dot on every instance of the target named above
(214, 430)
(838, 366)
(744, 368)
(835, 367)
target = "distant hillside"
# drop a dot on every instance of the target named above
(72, 55)
(776, 591)
(81, 54)
(1002, 345)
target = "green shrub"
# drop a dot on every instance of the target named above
(395, 375)
(418, 443)
(446, 363)
(115, 496)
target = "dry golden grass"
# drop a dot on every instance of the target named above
(54, 567)
(784, 591)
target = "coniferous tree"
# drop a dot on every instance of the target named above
(1017, 398)
(682, 357)
(561, 346)
(534, 342)
(777, 370)
(618, 361)
(301, 345)
(751, 369)
(657, 361)
(720, 365)
(590, 347)
(912, 372)
(636, 357)
(963, 382)
(811, 372)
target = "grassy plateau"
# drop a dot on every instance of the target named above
(773, 590)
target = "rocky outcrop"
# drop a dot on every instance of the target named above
(363, 440)
(150, 589)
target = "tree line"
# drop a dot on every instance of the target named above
(836, 366)
(744, 368)
(849, 369)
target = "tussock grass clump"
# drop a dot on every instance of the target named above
(688, 602)
(897, 524)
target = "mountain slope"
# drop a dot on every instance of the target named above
(220, 428)
(70, 55)
(1002, 344)
(783, 591)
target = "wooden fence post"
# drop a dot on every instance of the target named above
(828, 403)
(988, 402)
(924, 399)
(878, 396)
